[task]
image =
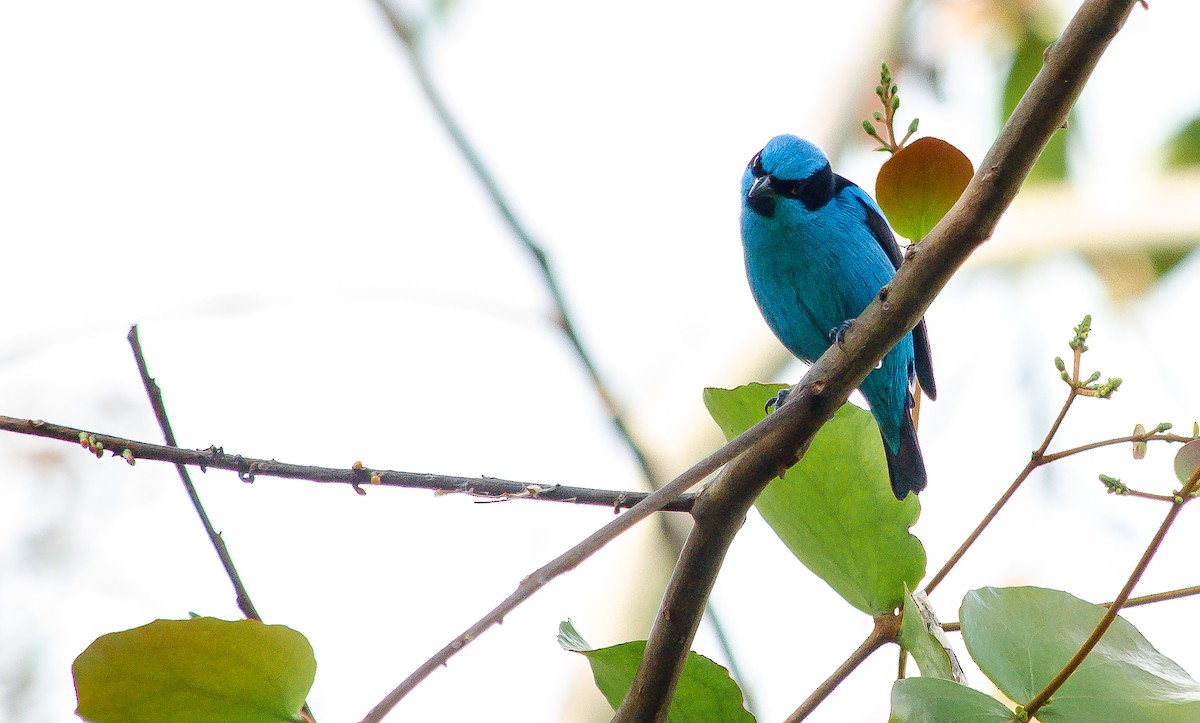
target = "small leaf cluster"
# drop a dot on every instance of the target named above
(889, 95)
(1087, 387)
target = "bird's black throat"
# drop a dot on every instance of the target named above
(763, 204)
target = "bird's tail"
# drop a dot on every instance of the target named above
(906, 466)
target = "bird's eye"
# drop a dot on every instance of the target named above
(789, 189)
(756, 166)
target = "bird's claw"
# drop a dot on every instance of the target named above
(837, 335)
(775, 402)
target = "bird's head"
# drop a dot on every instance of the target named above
(788, 170)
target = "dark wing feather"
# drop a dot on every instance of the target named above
(887, 241)
(879, 226)
(906, 468)
(924, 360)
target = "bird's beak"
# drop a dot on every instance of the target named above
(761, 185)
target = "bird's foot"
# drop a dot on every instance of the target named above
(837, 335)
(777, 401)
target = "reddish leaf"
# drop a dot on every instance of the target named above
(1187, 459)
(919, 184)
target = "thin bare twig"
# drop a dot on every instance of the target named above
(491, 489)
(1035, 461)
(1127, 439)
(244, 603)
(1158, 597)
(886, 630)
(1148, 495)
(899, 307)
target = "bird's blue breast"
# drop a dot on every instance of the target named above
(810, 270)
(824, 263)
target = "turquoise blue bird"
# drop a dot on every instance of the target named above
(818, 250)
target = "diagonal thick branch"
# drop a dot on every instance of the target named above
(721, 508)
(489, 488)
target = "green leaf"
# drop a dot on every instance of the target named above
(1021, 637)
(933, 700)
(1027, 61)
(920, 183)
(930, 654)
(1183, 149)
(705, 692)
(835, 509)
(195, 670)
(1163, 260)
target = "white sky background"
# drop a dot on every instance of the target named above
(319, 279)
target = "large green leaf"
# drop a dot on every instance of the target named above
(835, 509)
(933, 700)
(1021, 637)
(705, 692)
(932, 655)
(197, 670)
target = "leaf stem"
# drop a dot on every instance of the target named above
(1127, 439)
(154, 393)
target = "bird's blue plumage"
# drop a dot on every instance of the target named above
(817, 252)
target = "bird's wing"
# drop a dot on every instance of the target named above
(924, 359)
(875, 221)
(887, 241)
